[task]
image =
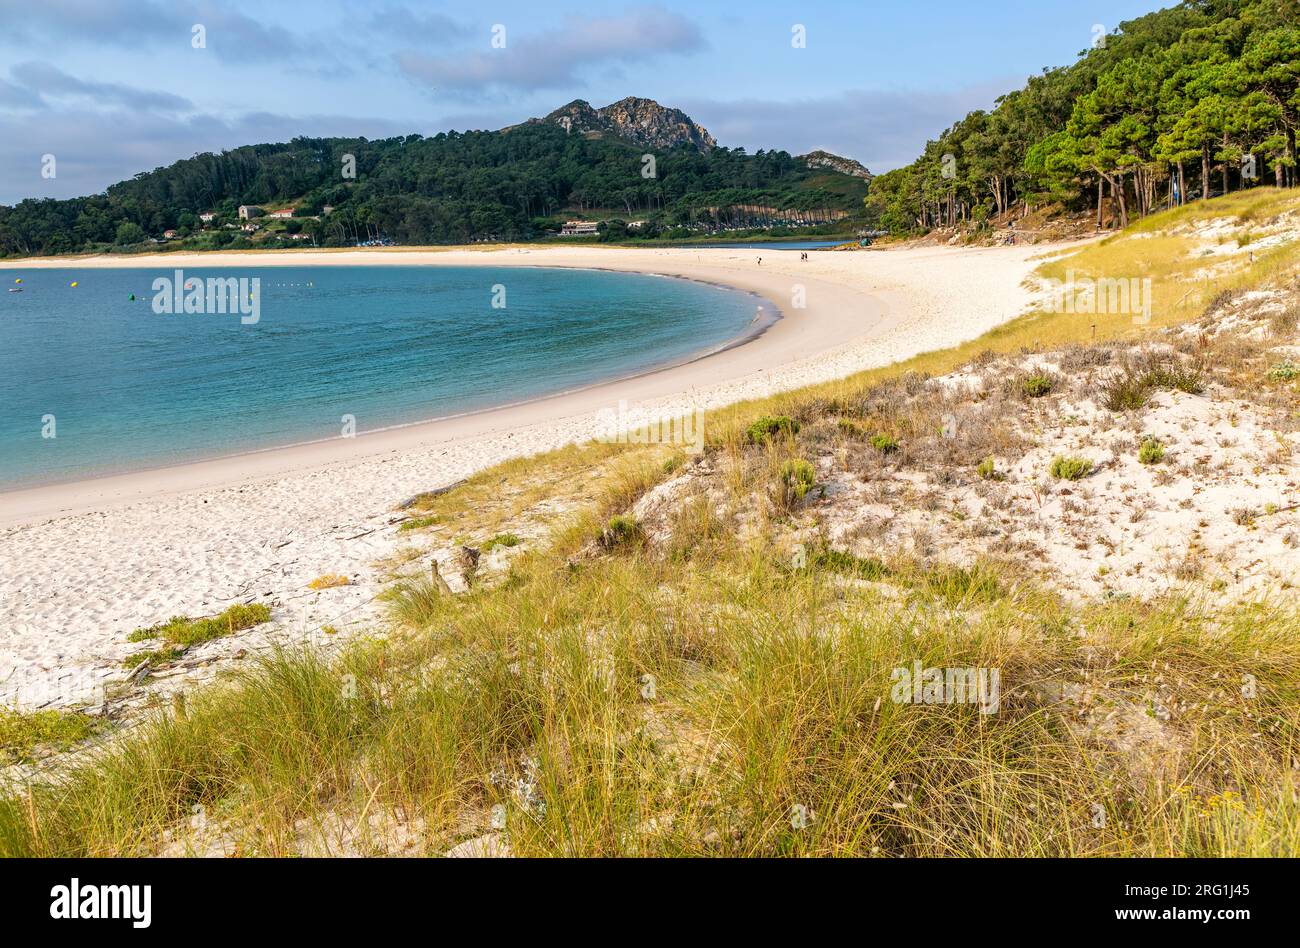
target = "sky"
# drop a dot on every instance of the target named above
(112, 88)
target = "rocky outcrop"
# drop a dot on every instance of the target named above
(824, 159)
(642, 122)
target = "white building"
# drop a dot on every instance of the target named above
(573, 228)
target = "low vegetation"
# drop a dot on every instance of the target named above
(722, 705)
(22, 733)
(1037, 385)
(329, 581)
(1151, 451)
(767, 428)
(180, 632)
(798, 477)
(1070, 468)
(687, 663)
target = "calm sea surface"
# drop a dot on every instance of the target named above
(128, 388)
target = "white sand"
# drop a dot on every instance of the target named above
(86, 563)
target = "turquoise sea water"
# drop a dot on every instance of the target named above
(129, 388)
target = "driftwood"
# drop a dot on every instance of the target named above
(437, 578)
(436, 492)
(467, 558)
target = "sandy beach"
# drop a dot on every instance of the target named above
(88, 562)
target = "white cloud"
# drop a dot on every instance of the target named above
(557, 58)
(132, 24)
(44, 81)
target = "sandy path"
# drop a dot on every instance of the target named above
(86, 563)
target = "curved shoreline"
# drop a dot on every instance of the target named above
(752, 331)
(755, 350)
(89, 561)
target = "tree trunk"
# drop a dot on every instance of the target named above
(1290, 153)
(1225, 166)
(1205, 172)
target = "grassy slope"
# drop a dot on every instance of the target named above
(689, 700)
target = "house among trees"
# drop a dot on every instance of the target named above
(207, 217)
(574, 228)
(282, 213)
(169, 235)
(248, 211)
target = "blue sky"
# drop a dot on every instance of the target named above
(115, 87)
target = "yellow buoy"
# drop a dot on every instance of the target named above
(73, 283)
(19, 280)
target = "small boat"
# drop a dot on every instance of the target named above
(15, 289)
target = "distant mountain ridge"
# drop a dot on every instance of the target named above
(640, 121)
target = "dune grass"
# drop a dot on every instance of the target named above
(642, 706)
(722, 699)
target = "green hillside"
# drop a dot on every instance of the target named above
(1185, 103)
(454, 187)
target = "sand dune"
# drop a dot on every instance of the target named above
(86, 563)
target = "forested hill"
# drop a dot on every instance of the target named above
(453, 187)
(1188, 102)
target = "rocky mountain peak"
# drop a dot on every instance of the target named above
(642, 122)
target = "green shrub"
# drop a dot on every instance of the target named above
(885, 444)
(988, 471)
(1125, 392)
(765, 428)
(1132, 389)
(1175, 377)
(1070, 469)
(1284, 371)
(850, 429)
(1037, 386)
(1151, 451)
(620, 530)
(501, 539)
(798, 476)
